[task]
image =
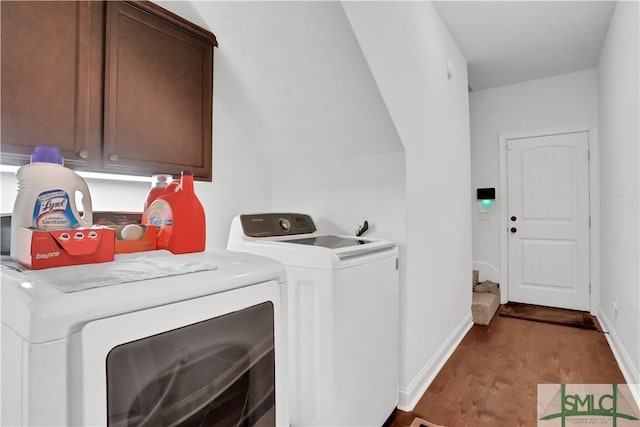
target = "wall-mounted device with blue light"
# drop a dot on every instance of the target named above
(486, 197)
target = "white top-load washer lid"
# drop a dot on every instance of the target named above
(40, 312)
(292, 239)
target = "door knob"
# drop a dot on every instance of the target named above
(513, 218)
(513, 229)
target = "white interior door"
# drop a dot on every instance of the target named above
(548, 205)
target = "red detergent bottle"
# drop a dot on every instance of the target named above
(179, 216)
(159, 183)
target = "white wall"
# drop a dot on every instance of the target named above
(566, 100)
(619, 90)
(344, 192)
(310, 105)
(408, 48)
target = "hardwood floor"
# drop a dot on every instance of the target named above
(491, 378)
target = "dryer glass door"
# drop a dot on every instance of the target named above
(217, 372)
(213, 360)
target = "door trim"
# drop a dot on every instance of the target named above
(594, 203)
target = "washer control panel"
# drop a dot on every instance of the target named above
(276, 224)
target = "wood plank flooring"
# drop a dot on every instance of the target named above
(491, 378)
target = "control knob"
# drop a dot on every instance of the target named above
(284, 224)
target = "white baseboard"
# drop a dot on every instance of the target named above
(629, 370)
(409, 396)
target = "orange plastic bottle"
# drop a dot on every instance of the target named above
(159, 183)
(179, 216)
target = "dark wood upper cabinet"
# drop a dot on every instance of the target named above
(51, 80)
(122, 87)
(158, 92)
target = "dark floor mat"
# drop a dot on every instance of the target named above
(557, 316)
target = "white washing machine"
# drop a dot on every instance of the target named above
(343, 324)
(203, 345)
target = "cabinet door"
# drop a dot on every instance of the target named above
(158, 92)
(52, 61)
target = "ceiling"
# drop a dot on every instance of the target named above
(508, 42)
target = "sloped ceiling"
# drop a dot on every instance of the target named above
(508, 42)
(293, 75)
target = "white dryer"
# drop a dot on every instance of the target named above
(207, 347)
(343, 324)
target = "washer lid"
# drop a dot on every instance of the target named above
(328, 241)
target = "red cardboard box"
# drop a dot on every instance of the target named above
(146, 243)
(38, 249)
